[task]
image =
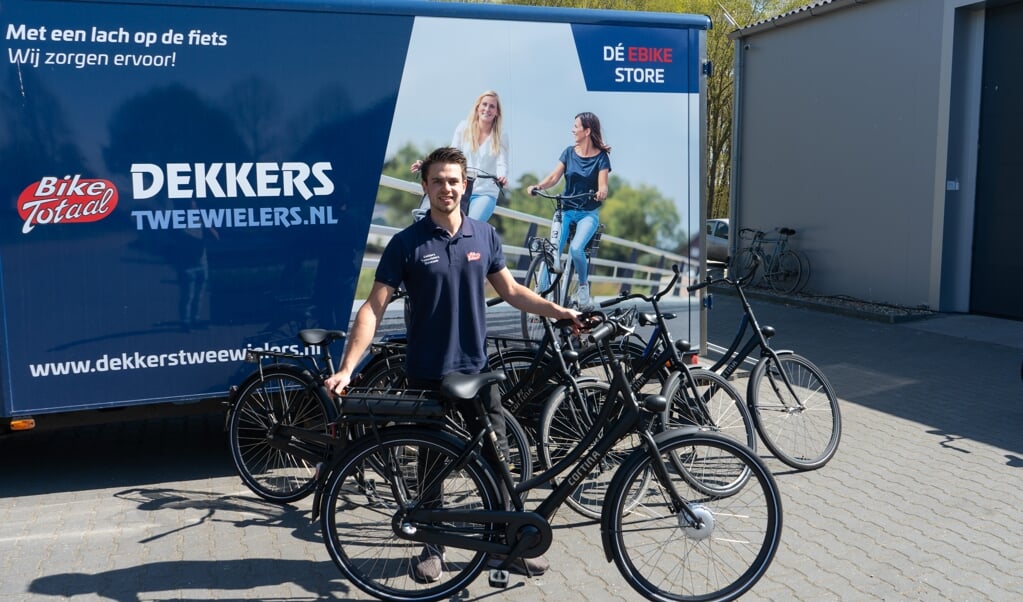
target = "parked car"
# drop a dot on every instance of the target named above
(717, 240)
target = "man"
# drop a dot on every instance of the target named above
(444, 261)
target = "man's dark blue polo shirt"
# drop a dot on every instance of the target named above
(445, 278)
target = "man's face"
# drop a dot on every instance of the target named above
(445, 185)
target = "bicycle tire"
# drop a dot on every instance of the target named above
(520, 458)
(743, 264)
(805, 273)
(520, 387)
(536, 275)
(380, 477)
(386, 376)
(569, 286)
(391, 378)
(804, 432)
(631, 351)
(661, 554)
(786, 273)
(566, 420)
(280, 395)
(719, 407)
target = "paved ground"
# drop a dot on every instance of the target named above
(924, 500)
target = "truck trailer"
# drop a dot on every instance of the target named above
(187, 180)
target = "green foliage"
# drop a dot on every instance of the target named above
(640, 214)
(398, 204)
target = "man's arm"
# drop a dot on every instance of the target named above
(524, 299)
(361, 335)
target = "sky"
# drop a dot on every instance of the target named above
(535, 69)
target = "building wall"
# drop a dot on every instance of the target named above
(841, 129)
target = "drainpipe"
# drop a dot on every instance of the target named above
(735, 192)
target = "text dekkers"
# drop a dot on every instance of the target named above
(231, 180)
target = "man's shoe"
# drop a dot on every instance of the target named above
(582, 297)
(533, 567)
(428, 567)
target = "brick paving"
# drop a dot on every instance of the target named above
(924, 500)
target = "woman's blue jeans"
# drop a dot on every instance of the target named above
(586, 224)
(481, 206)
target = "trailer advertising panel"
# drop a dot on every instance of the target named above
(181, 182)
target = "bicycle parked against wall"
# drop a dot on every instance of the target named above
(546, 259)
(403, 490)
(794, 407)
(785, 270)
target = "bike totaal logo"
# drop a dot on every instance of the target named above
(66, 200)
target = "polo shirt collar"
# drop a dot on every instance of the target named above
(466, 228)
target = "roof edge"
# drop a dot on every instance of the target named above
(821, 7)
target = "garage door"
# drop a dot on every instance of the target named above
(997, 281)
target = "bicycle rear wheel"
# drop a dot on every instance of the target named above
(386, 376)
(405, 468)
(718, 549)
(786, 273)
(537, 280)
(796, 410)
(804, 275)
(285, 396)
(566, 420)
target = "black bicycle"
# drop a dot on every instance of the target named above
(403, 490)
(696, 396)
(793, 404)
(282, 423)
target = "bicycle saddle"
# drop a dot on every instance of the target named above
(649, 319)
(787, 231)
(319, 336)
(465, 386)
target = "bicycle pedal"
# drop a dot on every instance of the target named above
(498, 578)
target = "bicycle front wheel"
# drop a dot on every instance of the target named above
(715, 547)
(744, 264)
(537, 280)
(699, 397)
(404, 469)
(796, 410)
(786, 273)
(569, 285)
(280, 396)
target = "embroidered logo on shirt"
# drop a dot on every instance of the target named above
(473, 256)
(430, 258)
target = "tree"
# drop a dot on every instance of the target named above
(720, 85)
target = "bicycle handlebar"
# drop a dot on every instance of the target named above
(534, 191)
(648, 298)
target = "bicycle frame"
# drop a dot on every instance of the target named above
(621, 410)
(733, 357)
(550, 246)
(661, 349)
(540, 371)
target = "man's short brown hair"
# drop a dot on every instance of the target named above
(445, 155)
